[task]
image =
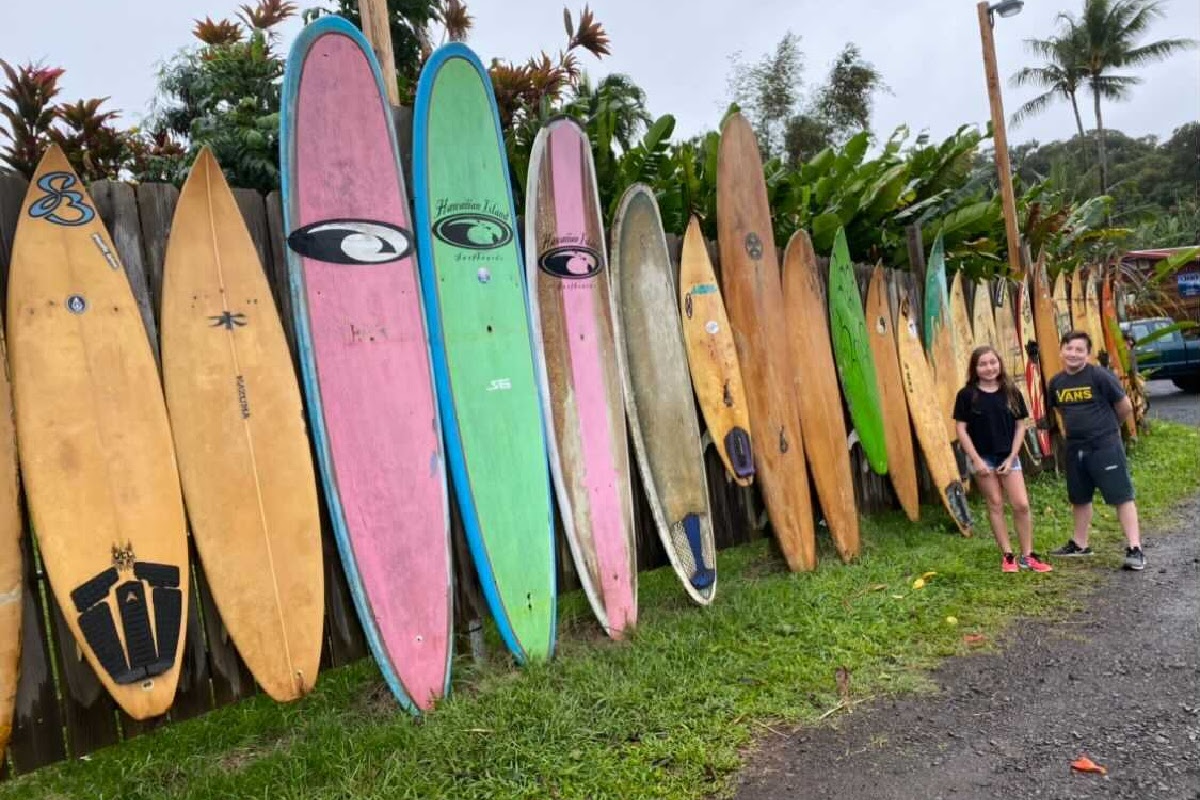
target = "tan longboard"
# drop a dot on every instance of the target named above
(11, 567)
(1045, 322)
(927, 418)
(1062, 306)
(1095, 322)
(95, 445)
(960, 323)
(1079, 308)
(983, 319)
(244, 457)
(713, 359)
(902, 465)
(1011, 350)
(754, 301)
(944, 363)
(816, 387)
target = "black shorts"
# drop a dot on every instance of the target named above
(1103, 466)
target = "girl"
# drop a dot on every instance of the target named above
(991, 415)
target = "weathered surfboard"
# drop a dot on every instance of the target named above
(243, 451)
(960, 324)
(1045, 319)
(662, 414)
(927, 418)
(364, 354)
(1079, 308)
(855, 367)
(1012, 350)
(816, 387)
(754, 300)
(91, 422)
(473, 283)
(1062, 305)
(1095, 322)
(902, 465)
(567, 275)
(939, 337)
(1117, 352)
(12, 570)
(983, 319)
(713, 359)
(1033, 371)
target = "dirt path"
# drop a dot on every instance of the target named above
(1119, 682)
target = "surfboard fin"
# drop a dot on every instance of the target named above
(737, 447)
(704, 576)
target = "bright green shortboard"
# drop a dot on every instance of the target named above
(474, 295)
(852, 354)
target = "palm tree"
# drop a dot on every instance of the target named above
(1061, 76)
(615, 96)
(1108, 33)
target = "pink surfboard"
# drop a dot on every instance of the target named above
(579, 377)
(364, 354)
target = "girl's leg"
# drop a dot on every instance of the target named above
(1018, 498)
(989, 486)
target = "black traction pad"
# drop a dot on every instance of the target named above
(101, 635)
(157, 574)
(92, 591)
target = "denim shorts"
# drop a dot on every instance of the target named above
(994, 463)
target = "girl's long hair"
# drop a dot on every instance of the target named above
(1011, 393)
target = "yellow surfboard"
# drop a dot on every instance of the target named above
(927, 418)
(11, 568)
(944, 363)
(95, 446)
(1079, 309)
(983, 319)
(712, 358)
(902, 464)
(1095, 323)
(816, 383)
(960, 324)
(1011, 350)
(1062, 306)
(237, 418)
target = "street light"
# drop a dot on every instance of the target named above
(1005, 8)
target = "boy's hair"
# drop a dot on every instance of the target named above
(1071, 336)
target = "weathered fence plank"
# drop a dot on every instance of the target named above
(156, 206)
(117, 206)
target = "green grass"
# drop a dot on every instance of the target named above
(670, 713)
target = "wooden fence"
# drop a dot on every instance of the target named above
(62, 711)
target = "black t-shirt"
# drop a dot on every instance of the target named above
(991, 424)
(1086, 401)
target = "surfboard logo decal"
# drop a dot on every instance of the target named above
(473, 231)
(229, 320)
(60, 204)
(754, 245)
(351, 241)
(571, 263)
(76, 304)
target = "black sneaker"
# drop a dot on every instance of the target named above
(1071, 549)
(1134, 558)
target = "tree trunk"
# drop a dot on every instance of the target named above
(1100, 143)
(1078, 119)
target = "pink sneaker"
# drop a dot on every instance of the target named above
(1031, 562)
(1009, 564)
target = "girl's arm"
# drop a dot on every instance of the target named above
(968, 447)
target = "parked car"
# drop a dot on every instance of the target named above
(1174, 356)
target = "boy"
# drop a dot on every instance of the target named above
(1093, 406)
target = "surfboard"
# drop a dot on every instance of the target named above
(95, 444)
(1095, 323)
(473, 283)
(754, 300)
(240, 439)
(1062, 306)
(1079, 309)
(12, 570)
(567, 274)
(983, 320)
(1012, 350)
(855, 367)
(1045, 317)
(902, 465)
(816, 382)
(1118, 354)
(1033, 371)
(364, 355)
(960, 324)
(658, 392)
(712, 358)
(928, 424)
(939, 337)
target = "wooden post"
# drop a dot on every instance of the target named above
(376, 28)
(1003, 168)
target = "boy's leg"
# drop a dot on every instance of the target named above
(1128, 517)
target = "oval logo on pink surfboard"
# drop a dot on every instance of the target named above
(572, 263)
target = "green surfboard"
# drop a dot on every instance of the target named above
(852, 354)
(937, 296)
(472, 282)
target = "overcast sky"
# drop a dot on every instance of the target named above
(927, 50)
